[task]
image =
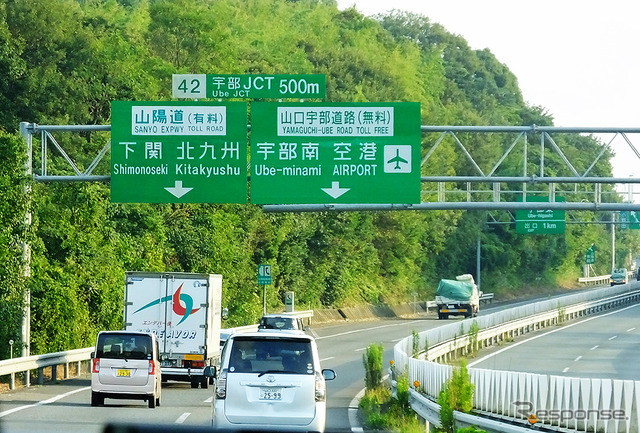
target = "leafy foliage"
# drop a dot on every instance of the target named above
(372, 360)
(456, 395)
(83, 54)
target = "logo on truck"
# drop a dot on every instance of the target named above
(178, 298)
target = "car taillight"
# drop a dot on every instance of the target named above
(221, 385)
(152, 367)
(96, 365)
(321, 388)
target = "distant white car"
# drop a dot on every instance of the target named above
(281, 322)
(271, 381)
(125, 365)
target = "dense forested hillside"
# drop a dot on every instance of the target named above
(64, 61)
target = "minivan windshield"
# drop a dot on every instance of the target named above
(124, 346)
(276, 355)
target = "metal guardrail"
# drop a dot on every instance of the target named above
(40, 362)
(495, 391)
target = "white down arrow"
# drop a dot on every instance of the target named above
(178, 190)
(335, 191)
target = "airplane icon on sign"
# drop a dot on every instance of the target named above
(397, 159)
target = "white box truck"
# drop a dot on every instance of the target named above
(184, 311)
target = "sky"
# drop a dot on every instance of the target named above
(579, 59)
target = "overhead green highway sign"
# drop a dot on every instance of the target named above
(308, 153)
(550, 221)
(179, 152)
(243, 86)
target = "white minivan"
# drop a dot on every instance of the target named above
(271, 381)
(125, 365)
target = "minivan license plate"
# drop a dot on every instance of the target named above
(123, 373)
(270, 393)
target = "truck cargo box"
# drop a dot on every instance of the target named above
(184, 311)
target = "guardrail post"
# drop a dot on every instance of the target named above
(66, 370)
(40, 375)
(54, 372)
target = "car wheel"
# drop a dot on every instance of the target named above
(152, 401)
(96, 399)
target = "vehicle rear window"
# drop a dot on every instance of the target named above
(260, 355)
(276, 323)
(124, 346)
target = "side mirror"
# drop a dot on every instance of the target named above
(225, 313)
(210, 371)
(328, 374)
(307, 328)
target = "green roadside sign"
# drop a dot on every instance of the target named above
(310, 153)
(590, 255)
(264, 274)
(540, 221)
(178, 152)
(227, 86)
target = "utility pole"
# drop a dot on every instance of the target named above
(478, 264)
(613, 241)
(26, 252)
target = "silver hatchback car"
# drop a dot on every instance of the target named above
(271, 381)
(125, 365)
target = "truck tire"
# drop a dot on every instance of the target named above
(443, 316)
(194, 382)
(204, 382)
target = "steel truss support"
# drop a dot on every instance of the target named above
(481, 190)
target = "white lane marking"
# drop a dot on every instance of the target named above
(504, 349)
(209, 400)
(630, 329)
(595, 347)
(578, 358)
(183, 417)
(326, 359)
(353, 412)
(565, 370)
(361, 349)
(369, 329)
(612, 338)
(43, 402)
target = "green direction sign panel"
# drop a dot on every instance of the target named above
(630, 219)
(179, 152)
(540, 221)
(313, 153)
(227, 86)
